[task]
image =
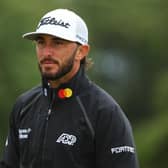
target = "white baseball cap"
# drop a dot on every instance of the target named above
(61, 23)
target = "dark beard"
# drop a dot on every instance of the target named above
(59, 74)
(63, 71)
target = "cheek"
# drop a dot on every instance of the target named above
(39, 55)
(38, 58)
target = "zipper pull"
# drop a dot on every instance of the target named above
(48, 114)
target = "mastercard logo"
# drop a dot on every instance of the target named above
(65, 93)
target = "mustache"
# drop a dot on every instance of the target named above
(49, 59)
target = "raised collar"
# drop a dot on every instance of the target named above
(78, 84)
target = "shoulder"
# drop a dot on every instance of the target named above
(30, 94)
(103, 97)
(110, 113)
(97, 98)
(22, 101)
(26, 97)
(100, 102)
(107, 107)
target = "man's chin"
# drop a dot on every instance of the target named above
(53, 76)
(50, 76)
(57, 74)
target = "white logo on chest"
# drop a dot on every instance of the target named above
(24, 133)
(67, 139)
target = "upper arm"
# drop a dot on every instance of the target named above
(114, 140)
(10, 156)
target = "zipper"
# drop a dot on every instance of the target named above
(48, 114)
(46, 123)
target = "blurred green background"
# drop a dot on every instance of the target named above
(129, 47)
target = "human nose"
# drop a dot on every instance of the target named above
(48, 50)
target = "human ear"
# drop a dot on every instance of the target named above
(82, 52)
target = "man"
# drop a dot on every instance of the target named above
(68, 122)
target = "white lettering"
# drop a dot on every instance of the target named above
(66, 139)
(23, 133)
(122, 149)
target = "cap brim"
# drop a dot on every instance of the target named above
(62, 35)
(33, 35)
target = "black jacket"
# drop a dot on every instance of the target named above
(77, 125)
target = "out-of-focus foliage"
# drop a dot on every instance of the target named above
(129, 47)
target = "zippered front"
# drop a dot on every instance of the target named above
(51, 102)
(59, 131)
(77, 131)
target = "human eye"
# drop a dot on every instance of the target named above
(39, 41)
(58, 42)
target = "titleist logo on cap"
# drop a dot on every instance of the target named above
(52, 21)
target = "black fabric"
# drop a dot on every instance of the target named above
(85, 130)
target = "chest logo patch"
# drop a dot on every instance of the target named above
(65, 93)
(24, 133)
(67, 139)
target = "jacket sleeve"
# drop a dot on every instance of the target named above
(114, 139)
(10, 158)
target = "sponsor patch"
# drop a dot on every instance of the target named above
(67, 139)
(24, 133)
(122, 149)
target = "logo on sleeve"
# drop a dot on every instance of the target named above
(67, 139)
(122, 149)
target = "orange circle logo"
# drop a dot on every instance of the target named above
(65, 93)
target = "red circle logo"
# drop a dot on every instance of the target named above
(64, 93)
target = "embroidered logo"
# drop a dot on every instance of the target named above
(81, 38)
(64, 93)
(67, 139)
(52, 21)
(122, 149)
(24, 133)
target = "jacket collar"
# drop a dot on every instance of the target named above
(77, 85)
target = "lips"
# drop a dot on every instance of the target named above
(48, 61)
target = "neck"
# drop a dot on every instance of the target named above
(65, 78)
